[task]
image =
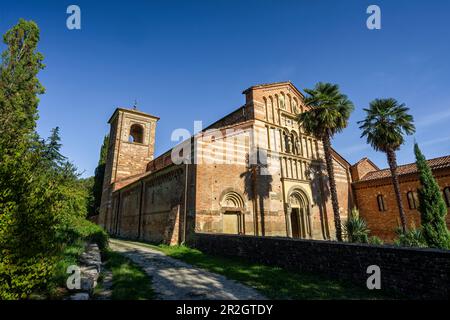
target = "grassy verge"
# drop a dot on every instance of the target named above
(130, 282)
(73, 239)
(69, 256)
(273, 282)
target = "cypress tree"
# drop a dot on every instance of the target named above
(431, 206)
(98, 179)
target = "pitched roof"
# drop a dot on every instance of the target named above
(274, 84)
(368, 160)
(141, 113)
(436, 163)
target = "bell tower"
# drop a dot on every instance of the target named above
(131, 147)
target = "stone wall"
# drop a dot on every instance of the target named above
(416, 273)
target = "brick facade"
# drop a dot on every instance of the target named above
(375, 182)
(223, 190)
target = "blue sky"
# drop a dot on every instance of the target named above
(190, 60)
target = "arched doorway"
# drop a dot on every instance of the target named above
(299, 215)
(233, 213)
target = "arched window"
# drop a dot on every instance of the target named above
(282, 101)
(266, 112)
(294, 106)
(136, 134)
(411, 197)
(380, 201)
(447, 195)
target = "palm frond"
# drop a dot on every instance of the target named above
(329, 110)
(386, 124)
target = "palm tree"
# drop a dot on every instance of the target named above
(385, 125)
(328, 114)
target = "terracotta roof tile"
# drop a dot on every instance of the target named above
(436, 163)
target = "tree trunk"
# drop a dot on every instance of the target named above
(392, 160)
(334, 198)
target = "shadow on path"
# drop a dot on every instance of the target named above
(176, 280)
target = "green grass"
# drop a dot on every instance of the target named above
(69, 256)
(130, 282)
(273, 282)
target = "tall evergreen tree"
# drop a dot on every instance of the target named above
(431, 206)
(19, 85)
(26, 212)
(40, 191)
(52, 148)
(99, 176)
(328, 114)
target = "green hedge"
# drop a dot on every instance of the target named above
(85, 230)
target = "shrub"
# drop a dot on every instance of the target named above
(355, 228)
(375, 241)
(410, 238)
(81, 229)
(22, 276)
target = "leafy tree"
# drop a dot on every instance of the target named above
(431, 206)
(43, 201)
(385, 125)
(98, 178)
(328, 114)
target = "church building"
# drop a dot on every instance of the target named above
(253, 172)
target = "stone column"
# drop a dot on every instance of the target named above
(288, 211)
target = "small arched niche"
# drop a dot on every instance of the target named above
(136, 134)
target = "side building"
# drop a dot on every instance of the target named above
(375, 196)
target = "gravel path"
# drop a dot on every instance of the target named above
(176, 280)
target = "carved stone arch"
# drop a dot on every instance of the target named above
(230, 198)
(298, 213)
(300, 191)
(232, 212)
